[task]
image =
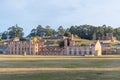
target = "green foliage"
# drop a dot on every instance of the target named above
(49, 32)
(117, 33)
(86, 31)
(67, 34)
(15, 31)
(84, 44)
(60, 62)
(23, 39)
(83, 31)
(41, 31)
(4, 35)
(61, 44)
(73, 30)
(61, 31)
(0, 39)
(91, 32)
(33, 33)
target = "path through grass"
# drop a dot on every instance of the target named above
(59, 68)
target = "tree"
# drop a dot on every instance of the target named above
(61, 31)
(110, 29)
(67, 30)
(0, 39)
(67, 34)
(61, 44)
(105, 29)
(117, 33)
(40, 31)
(100, 31)
(73, 30)
(33, 32)
(85, 31)
(54, 33)
(49, 31)
(4, 35)
(15, 31)
(0, 35)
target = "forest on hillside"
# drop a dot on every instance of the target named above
(83, 31)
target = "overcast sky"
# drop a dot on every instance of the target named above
(30, 13)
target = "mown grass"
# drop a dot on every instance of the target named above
(79, 75)
(59, 62)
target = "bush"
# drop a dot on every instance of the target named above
(23, 39)
(0, 39)
(67, 34)
(61, 44)
(84, 44)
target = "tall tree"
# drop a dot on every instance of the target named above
(0, 35)
(15, 31)
(33, 32)
(73, 30)
(100, 31)
(67, 34)
(55, 33)
(110, 29)
(40, 31)
(85, 31)
(61, 31)
(4, 35)
(117, 33)
(49, 31)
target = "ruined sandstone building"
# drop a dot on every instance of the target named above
(17, 47)
(88, 50)
(35, 47)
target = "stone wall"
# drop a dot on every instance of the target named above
(81, 51)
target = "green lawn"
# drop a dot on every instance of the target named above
(78, 75)
(59, 62)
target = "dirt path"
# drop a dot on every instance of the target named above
(28, 57)
(58, 69)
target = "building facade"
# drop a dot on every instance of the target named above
(70, 49)
(35, 47)
(24, 47)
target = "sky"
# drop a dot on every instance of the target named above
(28, 14)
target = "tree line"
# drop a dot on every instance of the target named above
(83, 31)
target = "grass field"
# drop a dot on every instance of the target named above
(59, 68)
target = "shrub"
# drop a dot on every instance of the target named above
(0, 39)
(61, 44)
(23, 39)
(84, 44)
(67, 34)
